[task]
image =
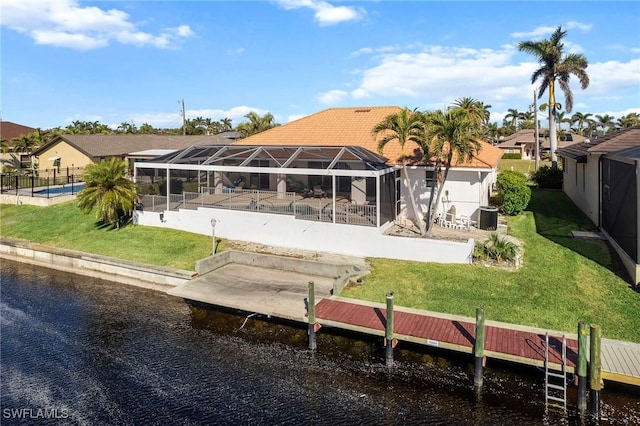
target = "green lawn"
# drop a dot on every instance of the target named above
(562, 281)
(524, 166)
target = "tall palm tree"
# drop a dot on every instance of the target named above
(448, 133)
(555, 66)
(402, 127)
(514, 115)
(108, 192)
(256, 123)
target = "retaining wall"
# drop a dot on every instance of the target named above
(107, 268)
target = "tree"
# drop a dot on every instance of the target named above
(448, 133)
(256, 123)
(581, 119)
(147, 129)
(605, 122)
(108, 192)
(514, 115)
(629, 120)
(402, 127)
(555, 66)
(227, 124)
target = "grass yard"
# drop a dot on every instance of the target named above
(524, 166)
(563, 280)
(63, 225)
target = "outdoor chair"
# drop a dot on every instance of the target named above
(318, 192)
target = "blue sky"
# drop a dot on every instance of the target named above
(133, 61)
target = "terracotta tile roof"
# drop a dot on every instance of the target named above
(10, 130)
(352, 127)
(612, 142)
(97, 146)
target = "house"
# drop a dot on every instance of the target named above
(317, 183)
(523, 142)
(77, 151)
(601, 177)
(9, 131)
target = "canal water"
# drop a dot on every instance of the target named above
(76, 350)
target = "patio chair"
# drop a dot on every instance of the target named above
(318, 192)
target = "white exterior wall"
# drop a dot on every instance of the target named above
(287, 231)
(468, 191)
(581, 183)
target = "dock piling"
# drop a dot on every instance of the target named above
(389, 331)
(595, 370)
(581, 367)
(311, 311)
(478, 348)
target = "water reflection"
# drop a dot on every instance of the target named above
(111, 354)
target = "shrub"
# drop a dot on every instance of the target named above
(548, 177)
(500, 249)
(512, 156)
(514, 191)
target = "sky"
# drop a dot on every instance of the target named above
(138, 61)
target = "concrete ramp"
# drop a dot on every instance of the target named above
(266, 284)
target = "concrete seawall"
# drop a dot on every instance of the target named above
(103, 267)
(340, 273)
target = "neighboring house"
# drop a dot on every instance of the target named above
(523, 142)
(8, 131)
(80, 150)
(601, 177)
(317, 183)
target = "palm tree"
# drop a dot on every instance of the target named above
(108, 192)
(629, 120)
(605, 122)
(581, 119)
(514, 115)
(227, 124)
(448, 133)
(146, 129)
(402, 127)
(556, 67)
(256, 123)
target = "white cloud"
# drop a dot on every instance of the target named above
(545, 30)
(238, 51)
(64, 23)
(331, 97)
(325, 13)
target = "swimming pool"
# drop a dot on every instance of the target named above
(67, 189)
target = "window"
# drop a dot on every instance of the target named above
(430, 178)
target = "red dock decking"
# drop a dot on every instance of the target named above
(500, 342)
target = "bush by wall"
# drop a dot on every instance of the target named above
(512, 156)
(513, 191)
(548, 177)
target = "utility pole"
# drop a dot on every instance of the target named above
(184, 120)
(537, 130)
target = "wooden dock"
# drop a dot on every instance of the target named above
(524, 345)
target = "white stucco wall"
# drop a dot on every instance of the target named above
(468, 191)
(581, 184)
(286, 231)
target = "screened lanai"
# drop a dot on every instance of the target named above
(349, 185)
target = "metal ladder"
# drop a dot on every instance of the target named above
(555, 381)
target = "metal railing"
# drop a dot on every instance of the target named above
(288, 203)
(46, 183)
